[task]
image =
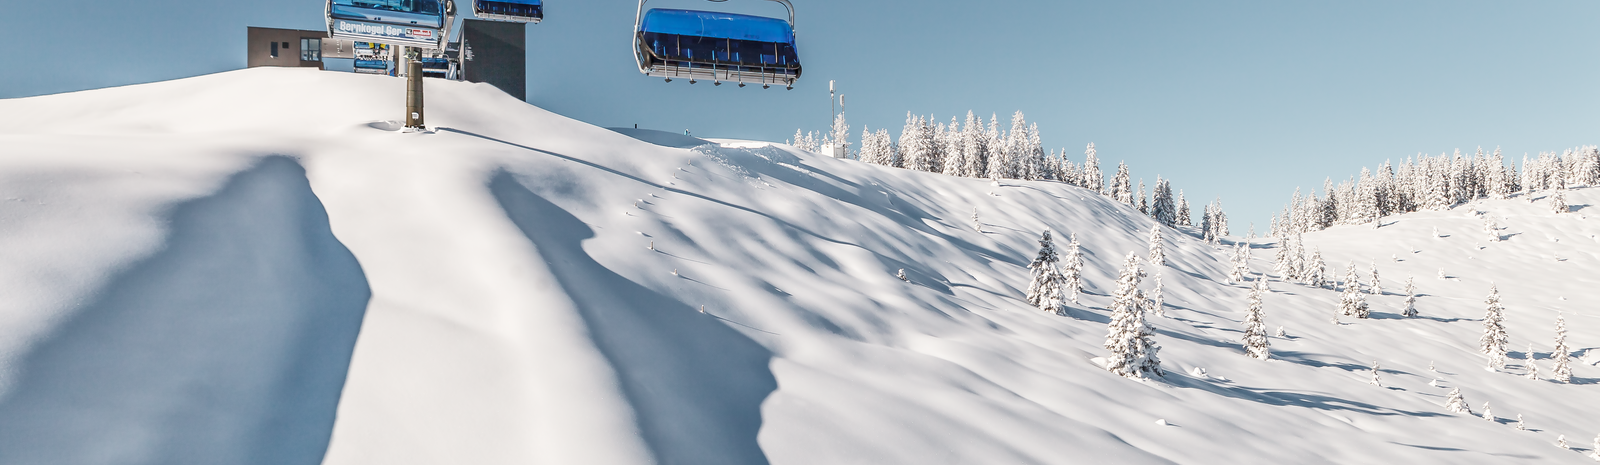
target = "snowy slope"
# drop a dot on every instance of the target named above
(533, 289)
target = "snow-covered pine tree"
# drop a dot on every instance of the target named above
(1092, 178)
(914, 144)
(1561, 441)
(1488, 413)
(1241, 264)
(1352, 302)
(902, 275)
(1133, 352)
(1457, 404)
(1255, 330)
(1205, 225)
(976, 223)
(977, 147)
(1410, 308)
(1529, 365)
(1375, 381)
(1184, 214)
(1044, 290)
(1520, 425)
(1037, 170)
(1158, 251)
(1162, 208)
(1374, 285)
(1558, 201)
(1280, 259)
(1494, 339)
(1316, 271)
(1158, 302)
(1002, 160)
(1594, 453)
(1122, 185)
(841, 137)
(1236, 275)
(1219, 221)
(1072, 270)
(1490, 229)
(1560, 365)
(955, 150)
(1299, 263)
(1144, 203)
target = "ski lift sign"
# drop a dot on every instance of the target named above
(388, 34)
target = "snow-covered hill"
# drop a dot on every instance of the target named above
(256, 267)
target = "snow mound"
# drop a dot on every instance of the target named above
(547, 291)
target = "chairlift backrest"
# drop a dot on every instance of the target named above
(693, 44)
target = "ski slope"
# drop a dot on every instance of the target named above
(258, 267)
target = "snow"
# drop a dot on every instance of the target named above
(178, 290)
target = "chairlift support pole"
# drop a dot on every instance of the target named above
(414, 114)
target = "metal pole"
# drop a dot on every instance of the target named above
(413, 90)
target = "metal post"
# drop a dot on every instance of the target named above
(413, 90)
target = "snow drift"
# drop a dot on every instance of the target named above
(533, 289)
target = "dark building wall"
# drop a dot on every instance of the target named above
(260, 41)
(499, 55)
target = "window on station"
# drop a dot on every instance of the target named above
(274, 49)
(310, 49)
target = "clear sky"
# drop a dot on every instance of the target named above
(1245, 100)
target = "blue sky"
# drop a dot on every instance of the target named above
(1245, 100)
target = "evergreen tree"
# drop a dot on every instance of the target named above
(1410, 308)
(1162, 208)
(1533, 368)
(1219, 221)
(976, 223)
(1255, 331)
(1560, 369)
(956, 161)
(1280, 259)
(1316, 272)
(1520, 425)
(1144, 205)
(1375, 381)
(1374, 285)
(1457, 404)
(977, 147)
(1490, 229)
(840, 136)
(1158, 303)
(1594, 453)
(1133, 351)
(1184, 215)
(1488, 413)
(1561, 441)
(914, 147)
(1121, 185)
(1001, 161)
(1092, 177)
(1158, 253)
(1236, 275)
(1352, 302)
(1044, 290)
(1494, 339)
(1558, 201)
(1072, 278)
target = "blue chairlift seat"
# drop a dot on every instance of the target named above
(718, 46)
(371, 66)
(519, 11)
